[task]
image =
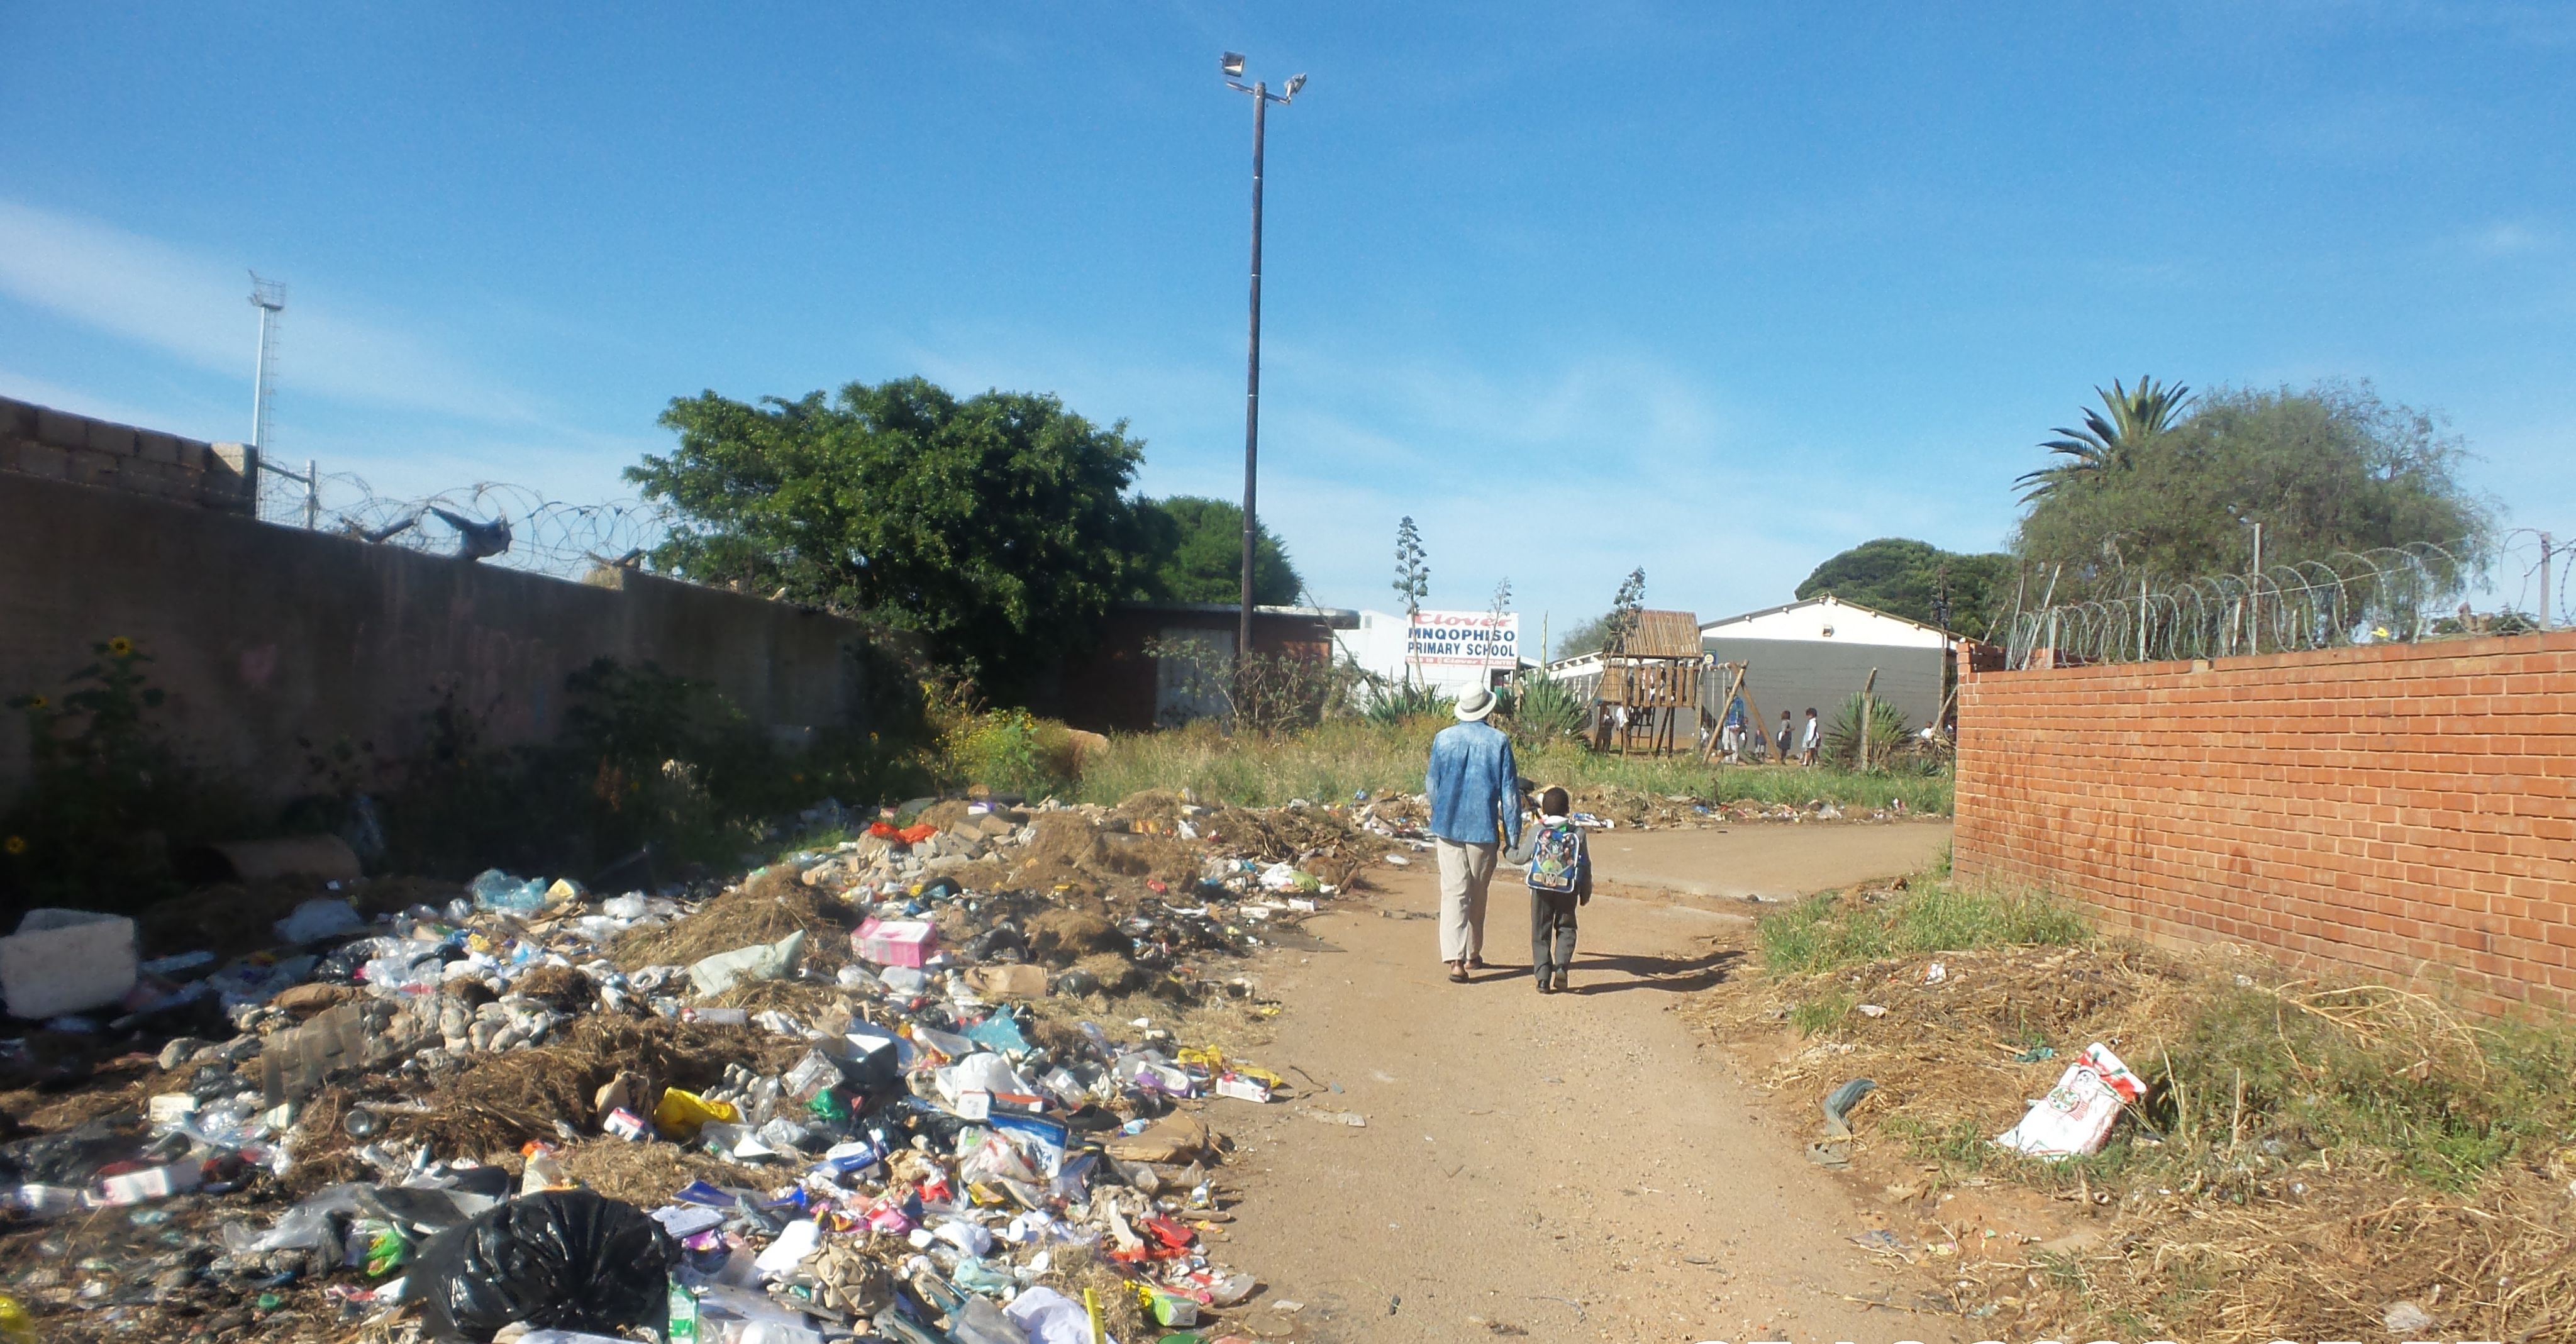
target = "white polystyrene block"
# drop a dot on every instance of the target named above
(66, 961)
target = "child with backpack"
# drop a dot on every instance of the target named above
(1560, 878)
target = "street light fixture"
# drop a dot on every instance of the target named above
(1232, 64)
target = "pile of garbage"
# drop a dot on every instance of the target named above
(922, 1083)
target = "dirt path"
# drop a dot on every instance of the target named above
(1569, 1167)
(1767, 859)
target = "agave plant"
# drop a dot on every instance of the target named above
(2107, 443)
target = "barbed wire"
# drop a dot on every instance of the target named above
(494, 522)
(2401, 593)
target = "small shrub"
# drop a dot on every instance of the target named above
(110, 797)
(1887, 735)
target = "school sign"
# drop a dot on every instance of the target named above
(1464, 639)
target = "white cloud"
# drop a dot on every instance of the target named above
(197, 310)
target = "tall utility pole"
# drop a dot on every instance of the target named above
(269, 297)
(1232, 64)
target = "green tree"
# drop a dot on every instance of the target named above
(1918, 581)
(2328, 469)
(996, 526)
(1585, 637)
(2108, 444)
(1194, 549)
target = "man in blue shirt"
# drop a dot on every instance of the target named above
(1475, 807)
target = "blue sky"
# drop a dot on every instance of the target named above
(1713, 289)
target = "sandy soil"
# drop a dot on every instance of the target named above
(1566, 1167)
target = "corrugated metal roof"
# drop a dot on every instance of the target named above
(1663, 634)
(1818, 600)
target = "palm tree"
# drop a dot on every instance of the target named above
(2108, 444)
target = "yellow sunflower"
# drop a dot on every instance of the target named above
(16, 844)
(119, 647)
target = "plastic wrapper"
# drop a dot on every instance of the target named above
(564, 1260)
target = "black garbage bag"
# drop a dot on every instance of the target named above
(564, 1260)
(73, 1156)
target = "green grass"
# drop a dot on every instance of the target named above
(1824, 1010)
(2243, 1069)
(1818, 934)
(1343, 757)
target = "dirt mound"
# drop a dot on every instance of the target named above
(1061, 935)
(768, 906)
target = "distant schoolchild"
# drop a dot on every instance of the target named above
(1788, 742)
(1560, 878)
(1815, 738)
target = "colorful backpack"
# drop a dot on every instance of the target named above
(1556, 861)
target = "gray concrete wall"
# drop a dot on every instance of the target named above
(60, 446)
(264, 634)
(1793, 674)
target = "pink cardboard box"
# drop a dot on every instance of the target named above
(896, 942)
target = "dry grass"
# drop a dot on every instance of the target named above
(768, 906)
(2308, 1154)
(499, 1101)
(1345, 757)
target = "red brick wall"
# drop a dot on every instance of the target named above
(2404, 811)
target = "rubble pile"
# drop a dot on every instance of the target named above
(928, 1082)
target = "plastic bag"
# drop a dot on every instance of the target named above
(1050, 1317)
(497, 890)
(565, 1259)
(2075, 1118)
(980, 1072)
(773, 961)
(316, 920)
(308, 1225)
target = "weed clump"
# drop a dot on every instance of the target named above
(2307, 1153)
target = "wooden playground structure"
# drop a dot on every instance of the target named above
(1647, 681)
